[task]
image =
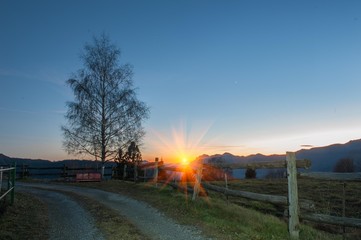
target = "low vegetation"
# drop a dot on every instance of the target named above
(26, 219)
(213, 215)
(111, 224)
(327, 195)
(217, 216)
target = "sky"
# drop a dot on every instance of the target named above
(242, 77)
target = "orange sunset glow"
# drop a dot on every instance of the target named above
(183, 145)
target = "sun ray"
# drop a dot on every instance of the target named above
(183, 142)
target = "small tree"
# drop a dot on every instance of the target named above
(250, 173)
(131, 157)
(345, 165)
(276, 173)
(106, 115)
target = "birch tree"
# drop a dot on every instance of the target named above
(106, 115)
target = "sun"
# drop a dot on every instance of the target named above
(185, 161)
(181, 144)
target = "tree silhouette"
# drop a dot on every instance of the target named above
(106, 115)
(250, 173)
(345, 165)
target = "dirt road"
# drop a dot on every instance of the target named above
(67, 219)
(146, 218)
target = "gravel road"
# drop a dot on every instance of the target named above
(146, 218)
(67, 219)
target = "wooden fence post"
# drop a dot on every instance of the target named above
(226, 180)
(64, 171)
(198, 179)
(293, 207)
(144, 173)
(344, 208)
(155, 177)
(135, 171)
(23, 171)
(1, 178)
(103, 171)
(13, 176)
(124, 171)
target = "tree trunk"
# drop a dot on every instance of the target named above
(103, 169)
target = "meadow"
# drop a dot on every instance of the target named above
(218, 216)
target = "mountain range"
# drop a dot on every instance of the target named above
(323, 159)
(6, 161)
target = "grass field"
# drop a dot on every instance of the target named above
(26, 219)
(216, 217)
(112, 225)
(327, 196)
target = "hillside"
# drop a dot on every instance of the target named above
(323, 158)
(5, 160)
(34, 166)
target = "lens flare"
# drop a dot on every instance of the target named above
(182, 144)
(185, 162)
(178, 149)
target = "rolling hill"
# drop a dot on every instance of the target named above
(323, 158)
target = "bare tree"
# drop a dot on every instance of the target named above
(106, 115)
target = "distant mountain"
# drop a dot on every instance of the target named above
(323, 158)
(38, 168)
(6, 161)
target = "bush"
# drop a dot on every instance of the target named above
(250, 173)
(345, 165)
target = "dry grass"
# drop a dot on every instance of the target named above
(221, 219)
(111, 224)
(212, 215)
(26, 219)
(327, 196)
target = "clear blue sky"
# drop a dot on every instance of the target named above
(220, 76)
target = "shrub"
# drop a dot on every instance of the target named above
(250, 173)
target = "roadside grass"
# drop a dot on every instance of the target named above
(111, 224)
(213, 215)
(27, 218)
(326, 194)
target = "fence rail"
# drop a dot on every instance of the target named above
(61, 171)
(302, 163)
(274, 199)
(333, 176)
(341, 221)
(10, 183)
(292, 201)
